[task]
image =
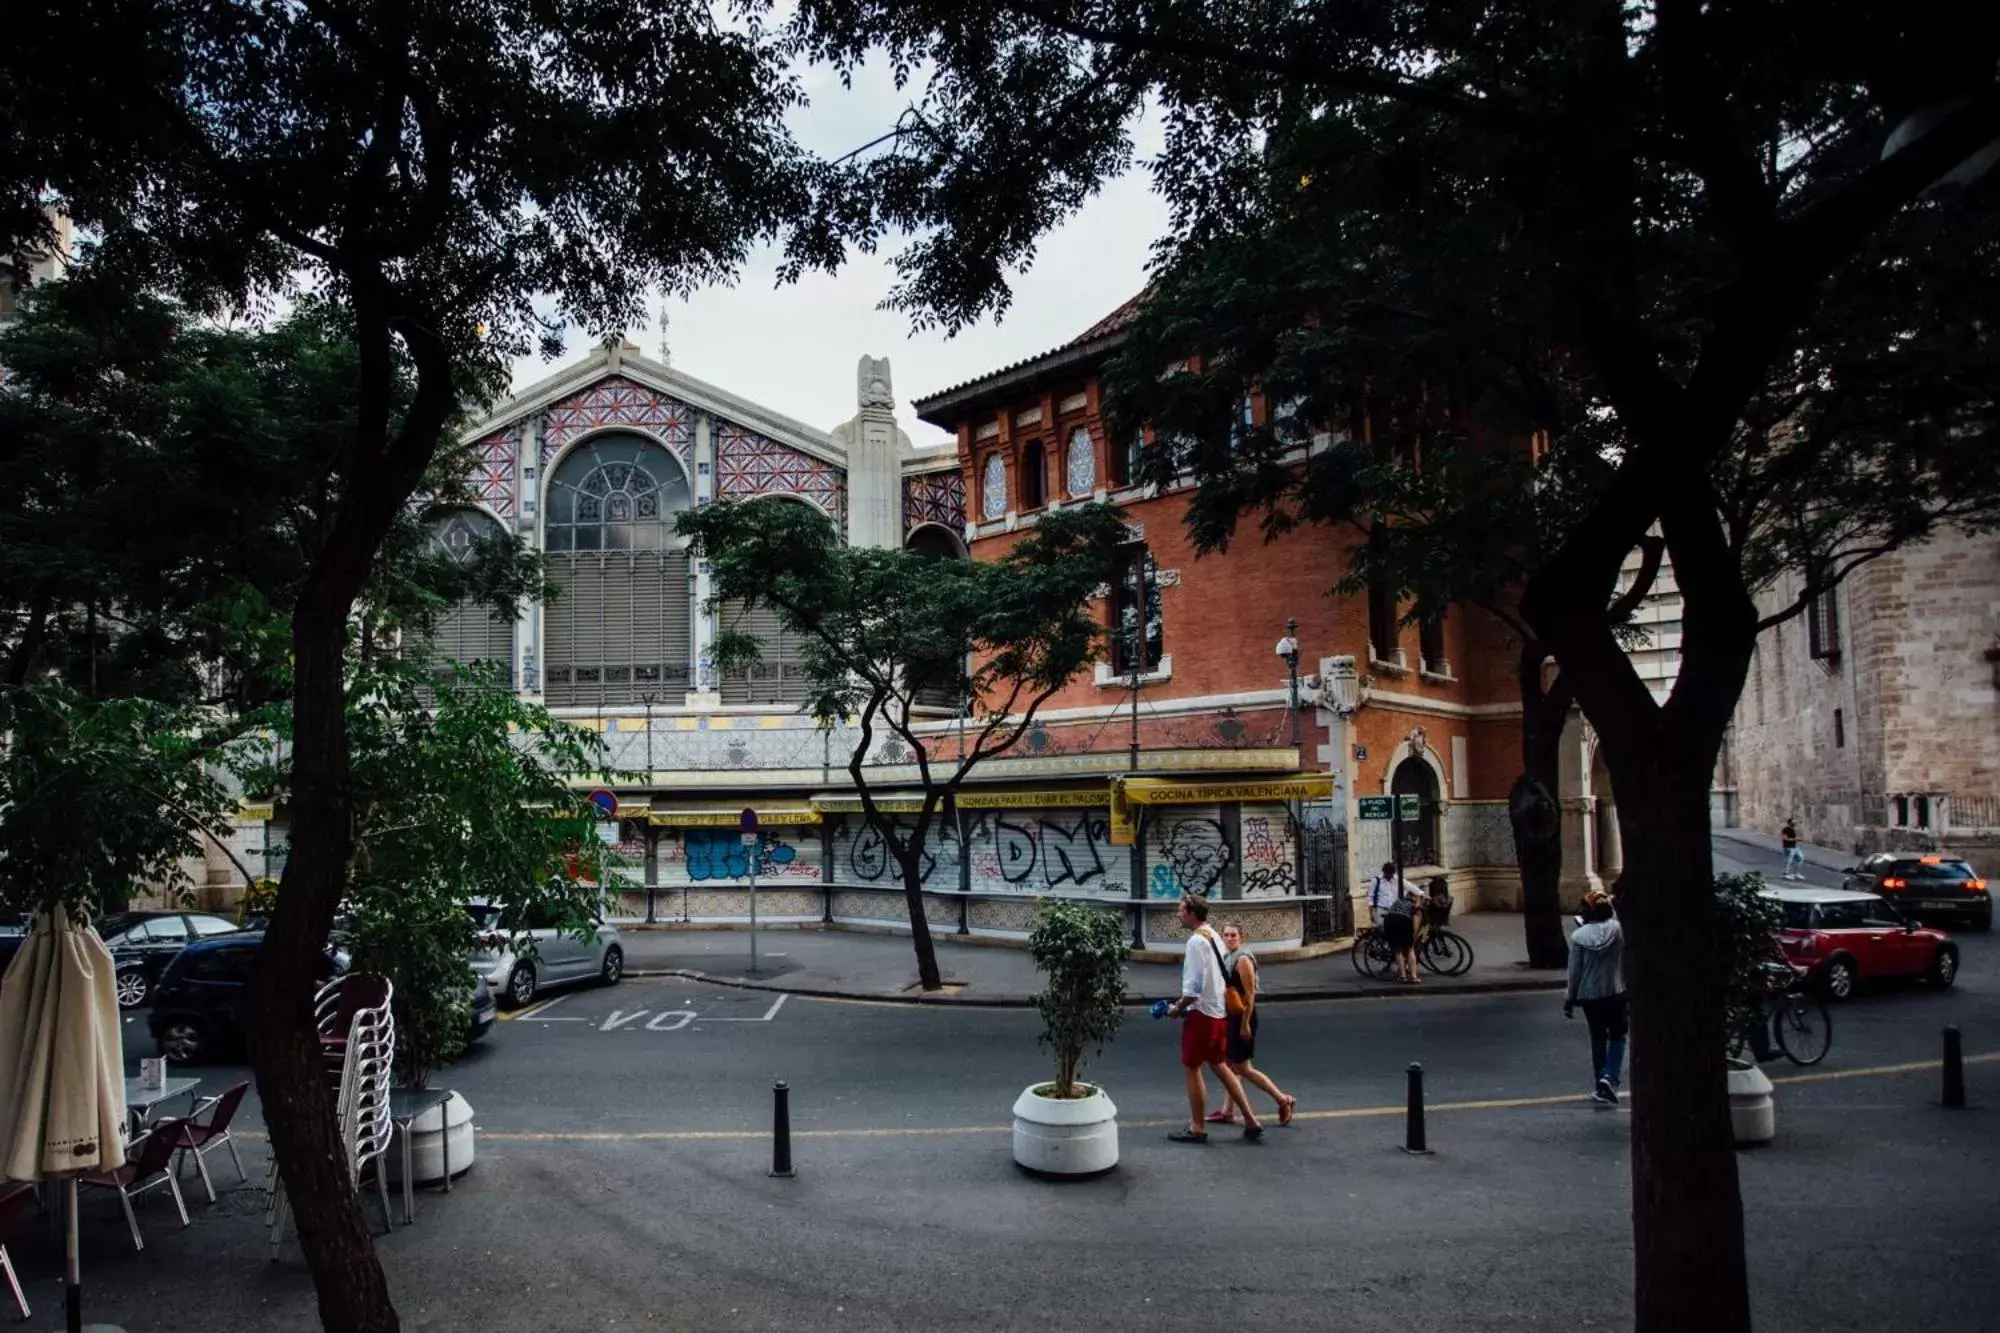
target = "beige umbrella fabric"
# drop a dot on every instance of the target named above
(62, 1056)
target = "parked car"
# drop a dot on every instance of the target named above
(142, 943)
(485, 1009)
(557, 959)
(198, 1001)
(1937, 887)
(1843, 938)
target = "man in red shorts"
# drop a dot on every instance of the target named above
(1205, 1029)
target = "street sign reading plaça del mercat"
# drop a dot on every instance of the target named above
(1378, 807)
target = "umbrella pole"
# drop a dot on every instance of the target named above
(73, 1293)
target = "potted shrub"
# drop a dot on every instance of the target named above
(1747, 920)
(1066, 1127)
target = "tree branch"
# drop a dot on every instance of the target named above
(1735, 187)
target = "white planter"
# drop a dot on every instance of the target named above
(1753, 1116)
(1065, 1137)
(428, 1133)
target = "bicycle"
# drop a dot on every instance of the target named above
(1371, 955)
(1799, 1020)
(1445, 952)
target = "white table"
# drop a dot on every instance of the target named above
(140, 1100)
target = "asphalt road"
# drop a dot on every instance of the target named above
(624, 1141)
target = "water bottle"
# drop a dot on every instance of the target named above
(1160, 1007)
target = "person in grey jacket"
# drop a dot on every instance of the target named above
(1597, 986)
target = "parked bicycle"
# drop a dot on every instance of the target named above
(1794, 1016)
(1442, 951)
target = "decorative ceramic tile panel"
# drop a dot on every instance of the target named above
(747, 463)
(1081, 464)
(492, 478)
(619, 402)
(993, 488)
(934, 497)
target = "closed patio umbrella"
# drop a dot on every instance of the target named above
(62, 1067)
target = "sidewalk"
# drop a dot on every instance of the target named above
(856, 965)
(1768, 844)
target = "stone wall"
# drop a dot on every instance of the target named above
(1910, 708)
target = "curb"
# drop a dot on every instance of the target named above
(1523, 984)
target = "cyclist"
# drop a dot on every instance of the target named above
(1597, 985)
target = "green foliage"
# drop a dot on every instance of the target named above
(1080, 950)
(462, 791)
(1745, 922)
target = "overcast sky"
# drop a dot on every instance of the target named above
(794, 348)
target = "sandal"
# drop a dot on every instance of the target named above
(1221, 1118)
(1187, 1136)
(1285, 1109)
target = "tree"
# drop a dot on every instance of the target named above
(881, 627)
(1705, 236)
(440, 171)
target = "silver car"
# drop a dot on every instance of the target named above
(517, 976)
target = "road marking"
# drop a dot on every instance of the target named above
(766, 1017)
(534, 1009)
(680, 1018)
(619, 1018)
(954, 1131)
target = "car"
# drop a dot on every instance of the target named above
(1933, 886)
(557, 958)
(485, 1009)
(197, 1011)
(142, 943)
(1843, 938)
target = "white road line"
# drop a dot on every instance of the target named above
(767, 1016)
(620, 1018)
(556, 1020)
(677, 1019)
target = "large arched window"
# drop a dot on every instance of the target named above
(621, 627)
(932, 542)
(470, 633)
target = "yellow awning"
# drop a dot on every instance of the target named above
(1175, 791)
(904, 803)
(789, 814)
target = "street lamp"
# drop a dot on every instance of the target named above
(1288, 648)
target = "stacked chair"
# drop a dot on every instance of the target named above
(357, 1038)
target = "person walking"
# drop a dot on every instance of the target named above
(1239, 974)
(1203, 1012)
(1795, 857)
(1597, 986)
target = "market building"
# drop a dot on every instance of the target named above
(1195, 758)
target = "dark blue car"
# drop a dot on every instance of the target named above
(197, 1010)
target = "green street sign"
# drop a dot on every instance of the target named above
(1413, 805)
(1374, 807)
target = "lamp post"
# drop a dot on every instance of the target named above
(1288, 648)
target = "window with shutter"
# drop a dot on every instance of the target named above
(622, 625)
(779, 674)
(470, 633)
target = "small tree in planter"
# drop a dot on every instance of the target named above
(1081, 949)
(1065, 1127)
(1745, 920)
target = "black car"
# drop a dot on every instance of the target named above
(1929, 887)
(142, 943)
(198, 1000)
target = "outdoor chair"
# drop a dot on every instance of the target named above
(198, 1140)
(149, 1163)
(14, 1200)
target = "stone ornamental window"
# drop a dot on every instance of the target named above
(1081, 464)
(993, 488)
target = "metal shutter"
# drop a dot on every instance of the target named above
(471, 633)
(621, 628)
(779, 677)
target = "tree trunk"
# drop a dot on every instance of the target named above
(920, 923)
(1535, 811)
(1687, 1216)
(284, 1048)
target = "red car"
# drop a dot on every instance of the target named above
(1844, 938)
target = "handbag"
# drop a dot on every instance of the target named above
(1233, 1002)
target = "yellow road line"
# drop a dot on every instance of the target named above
(516, 1015)
(953, 1131)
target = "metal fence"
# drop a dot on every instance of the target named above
(1325, 856)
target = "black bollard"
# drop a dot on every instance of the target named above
(1954, 1069)
(1413, 1128)
(781, 1130)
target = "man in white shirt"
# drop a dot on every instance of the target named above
(1384, 892)
(1204, 1016)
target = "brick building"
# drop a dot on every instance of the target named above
(1234, 792)
(1875, 718)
